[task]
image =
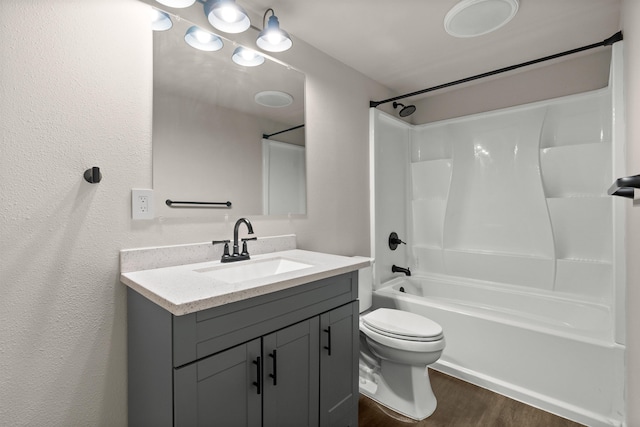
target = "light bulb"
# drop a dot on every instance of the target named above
(229, 14)
(203, 36)
(160, 21)
(156, 15)
(202, 40)
(247, 57)
(274, 37)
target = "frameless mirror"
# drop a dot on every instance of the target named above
(226, 132)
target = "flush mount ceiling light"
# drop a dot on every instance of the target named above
(273, 98)
(160, 21)
(178, 4)
(247, 57)
(471, 18)
(272, 38)
(202, 40)
(226, 16)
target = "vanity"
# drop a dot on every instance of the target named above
(272, 341)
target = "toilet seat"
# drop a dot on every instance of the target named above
(402, 325)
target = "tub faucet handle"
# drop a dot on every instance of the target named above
(394, 241)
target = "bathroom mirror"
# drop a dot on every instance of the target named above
(209, 126)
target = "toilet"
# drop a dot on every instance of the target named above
(395, 349)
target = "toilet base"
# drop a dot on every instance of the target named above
(405, 389)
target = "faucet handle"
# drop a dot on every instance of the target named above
(225, 253)
(245, 251)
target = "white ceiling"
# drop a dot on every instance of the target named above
(402, 44)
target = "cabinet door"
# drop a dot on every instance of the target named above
(339, 366)
(220, 390)
(291, 376)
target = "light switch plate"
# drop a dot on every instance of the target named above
(141, 203)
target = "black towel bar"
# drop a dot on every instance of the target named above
(171, 204)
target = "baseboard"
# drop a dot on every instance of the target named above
(529, 397)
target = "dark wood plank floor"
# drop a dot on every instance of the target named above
(461, 404)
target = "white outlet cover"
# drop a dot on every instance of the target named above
(142, 203)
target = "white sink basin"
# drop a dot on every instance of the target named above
(255, 269)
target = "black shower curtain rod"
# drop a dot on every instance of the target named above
(607, 42)
(267, 136)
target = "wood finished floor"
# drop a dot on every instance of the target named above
(461, 404)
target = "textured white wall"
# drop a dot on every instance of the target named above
(76, 92)
(630, 20)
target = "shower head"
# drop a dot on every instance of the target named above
(405, 110)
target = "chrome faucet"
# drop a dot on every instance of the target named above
(396, 269)
(237, 255)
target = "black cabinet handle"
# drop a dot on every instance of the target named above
(328, 347)
(275, 367)
(258, 383)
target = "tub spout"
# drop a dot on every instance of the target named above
(396, 269)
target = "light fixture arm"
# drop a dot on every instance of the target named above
(264, 17)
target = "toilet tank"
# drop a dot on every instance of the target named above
(365, 287)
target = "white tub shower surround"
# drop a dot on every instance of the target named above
(518, 249)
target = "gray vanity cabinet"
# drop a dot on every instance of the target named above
(217, 389)
(288, 358)
(247, 386)
(291, 376)
(339, 366)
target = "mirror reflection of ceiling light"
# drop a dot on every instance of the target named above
(178, 4)
(471, 18)
(160, 21)
(272, 38)
(273, 98)
(247, 57)
(202, 40)
(227, 16)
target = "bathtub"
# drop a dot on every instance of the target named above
(550, 352)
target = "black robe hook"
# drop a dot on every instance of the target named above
(93, 175)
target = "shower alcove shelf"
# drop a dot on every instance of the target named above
(575, 163)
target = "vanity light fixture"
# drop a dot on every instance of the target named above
(247, 57)
(272, 38)
(202, 40)
(160, 21)
(178, 4)
(227, 16)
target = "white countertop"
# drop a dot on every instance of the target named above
(182, 290)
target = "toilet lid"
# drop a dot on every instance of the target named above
(402, 325)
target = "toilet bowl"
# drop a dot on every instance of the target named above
(395, 349)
